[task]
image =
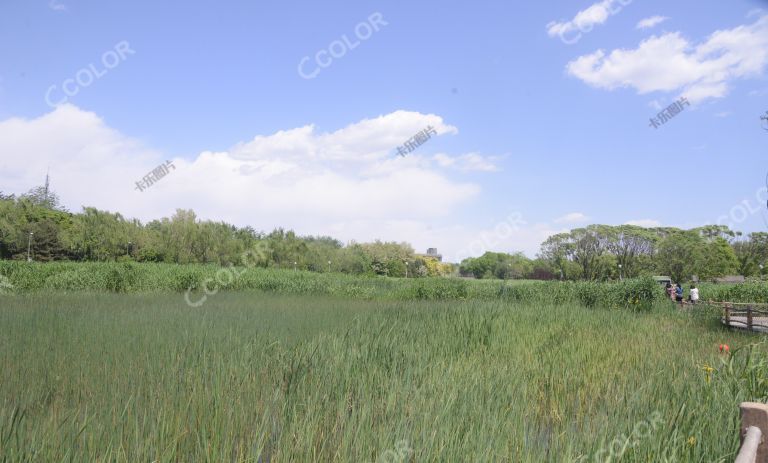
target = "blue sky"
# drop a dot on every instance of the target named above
(541, 110)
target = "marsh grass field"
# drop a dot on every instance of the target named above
(255, 377)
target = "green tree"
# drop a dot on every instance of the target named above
(588, 246)
(631, 245)
(751, 253)
(497, 265)
(98, 235)
(556, 250)
(680, 254)
(718, 259)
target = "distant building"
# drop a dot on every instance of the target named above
(731, 279)
(432, 254)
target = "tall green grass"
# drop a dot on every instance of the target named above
(256, 377)
(133, 277)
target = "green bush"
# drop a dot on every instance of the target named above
(590, 294)
(746, 292)
(438, 289)
(187, 278)
(121, 277)
(517, 292)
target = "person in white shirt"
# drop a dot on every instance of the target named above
(694, 295)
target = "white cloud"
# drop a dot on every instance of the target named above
(572, 218)
(647, 223)
(723, 114)
(651, 22)
(56, 6)
(670, 63)
(466, 162)
(462, 163)
(585, 20)
(347, 183)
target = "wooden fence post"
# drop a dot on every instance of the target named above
(749, 318)
(755, 414)
(727, 315)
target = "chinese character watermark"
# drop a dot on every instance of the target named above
(765, 120)
(415, 141)
(671, 111)
(155, 176)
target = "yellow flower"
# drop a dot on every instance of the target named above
(708, 370)
(691, 441)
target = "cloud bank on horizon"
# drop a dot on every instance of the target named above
(346, 183)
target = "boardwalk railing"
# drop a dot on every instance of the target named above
(754, 432)
(744, 315)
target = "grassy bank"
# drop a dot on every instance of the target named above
(23, 277)
(251, 376)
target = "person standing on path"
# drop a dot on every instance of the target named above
(694, 294)
(679, 294)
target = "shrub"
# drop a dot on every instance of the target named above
(589, 293)
(121, 277)
(187, 278)
(130, 277)
(438, 288)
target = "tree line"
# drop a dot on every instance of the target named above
(36, 225)
(604, 252)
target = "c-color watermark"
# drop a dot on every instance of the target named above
(338, 48)
(746, 208)
(501, 231)
(622, 443)
(583, 22)
(227, 275)
(5, 285)
(401, 454)
(86, 76)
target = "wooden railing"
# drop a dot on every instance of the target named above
(744, 315)
(754, 430)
